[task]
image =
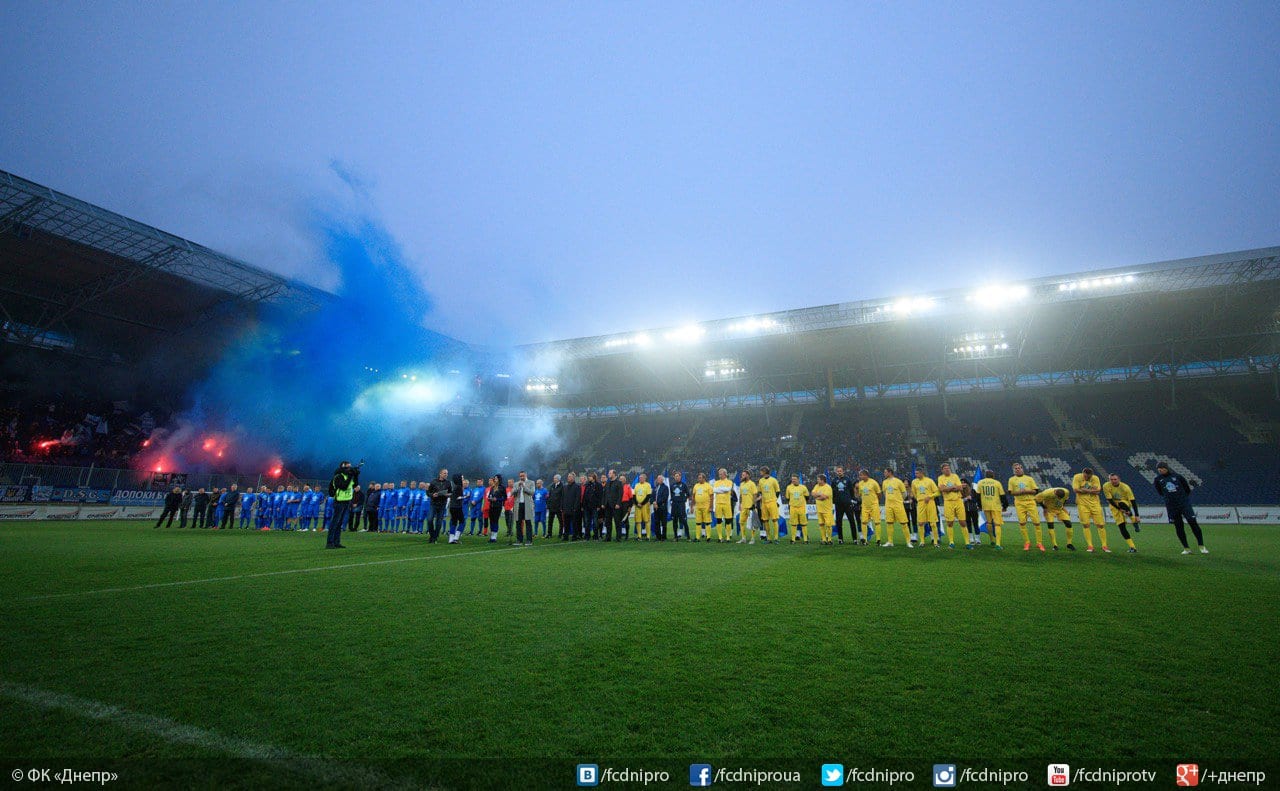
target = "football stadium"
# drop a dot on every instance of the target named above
(343, 486)
(204, 646)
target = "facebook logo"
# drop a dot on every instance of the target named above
(588, 775)
(700, 775)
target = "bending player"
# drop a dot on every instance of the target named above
(1124, 508)
(1054, 503)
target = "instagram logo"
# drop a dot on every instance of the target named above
(1059, 775)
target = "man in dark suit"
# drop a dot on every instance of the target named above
(661, 506)
(555, 504)
(201, 505)
(614, 515)
(229, 503)
(570, 508)
(172, 504)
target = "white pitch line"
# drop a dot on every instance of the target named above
(175, 732)
(207, 580)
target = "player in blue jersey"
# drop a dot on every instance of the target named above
(419, 507)
(539, 507)
(475, 507)
(279, 498)
(247, 499)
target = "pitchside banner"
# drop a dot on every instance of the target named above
(13, 494)
(1258, 516)
(137, 497)
(65, 512)
(69, 494)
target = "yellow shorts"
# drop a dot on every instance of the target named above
(927, 512)
(995, 518)
(643, 514)
(724, 511)
(1090, 512)
(826, 518)
(870, 512)
(895, 513)
(1056, 515)
(953, 510)
(1026, 508)
(701, 516)
(768, 511)
(1118, 516)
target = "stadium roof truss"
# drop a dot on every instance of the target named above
(1212, 315)
(114, 253)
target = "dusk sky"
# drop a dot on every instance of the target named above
(562, 169)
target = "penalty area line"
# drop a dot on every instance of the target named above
(309, 570)
(174, 732)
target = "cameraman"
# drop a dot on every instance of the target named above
(341, 488)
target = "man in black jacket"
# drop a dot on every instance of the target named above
(229, 504)
(371, 503)
(185, 507)
(570, 508)
(1176, 492)
(554, 499)
(592, 501)
(172, 504)
(842, 494)
(614, 515)
(201, 505)
(679, 506)
(661, 506)
(357, 510)
(439, 493)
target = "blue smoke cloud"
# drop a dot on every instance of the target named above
(362, 377)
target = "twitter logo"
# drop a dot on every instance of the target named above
(833, 774)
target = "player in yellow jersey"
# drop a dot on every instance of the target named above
(702, 508)
(869, 492)
(1022, 488)
(1054, 503)
(826, 508)
(926, 493)
(991, 496)
(1087, 487)
(798, 511)
(952, 489)
(1124, 508)
(643, 495)
(747, 495)
(895, 510)
(769, 488)
(722, 490)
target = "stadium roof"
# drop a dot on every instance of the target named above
(74, 272)
(1147, 320)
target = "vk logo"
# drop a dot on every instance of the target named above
(833, 774)
(588, 775)
(700, 775)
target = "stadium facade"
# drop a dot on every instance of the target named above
(1179, 357)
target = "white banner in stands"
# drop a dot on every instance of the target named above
(1258, 516)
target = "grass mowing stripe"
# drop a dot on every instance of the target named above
(309, 570)
(180, 733)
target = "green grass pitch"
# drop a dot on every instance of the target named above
(182, 657)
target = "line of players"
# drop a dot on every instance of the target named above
(748, 509)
